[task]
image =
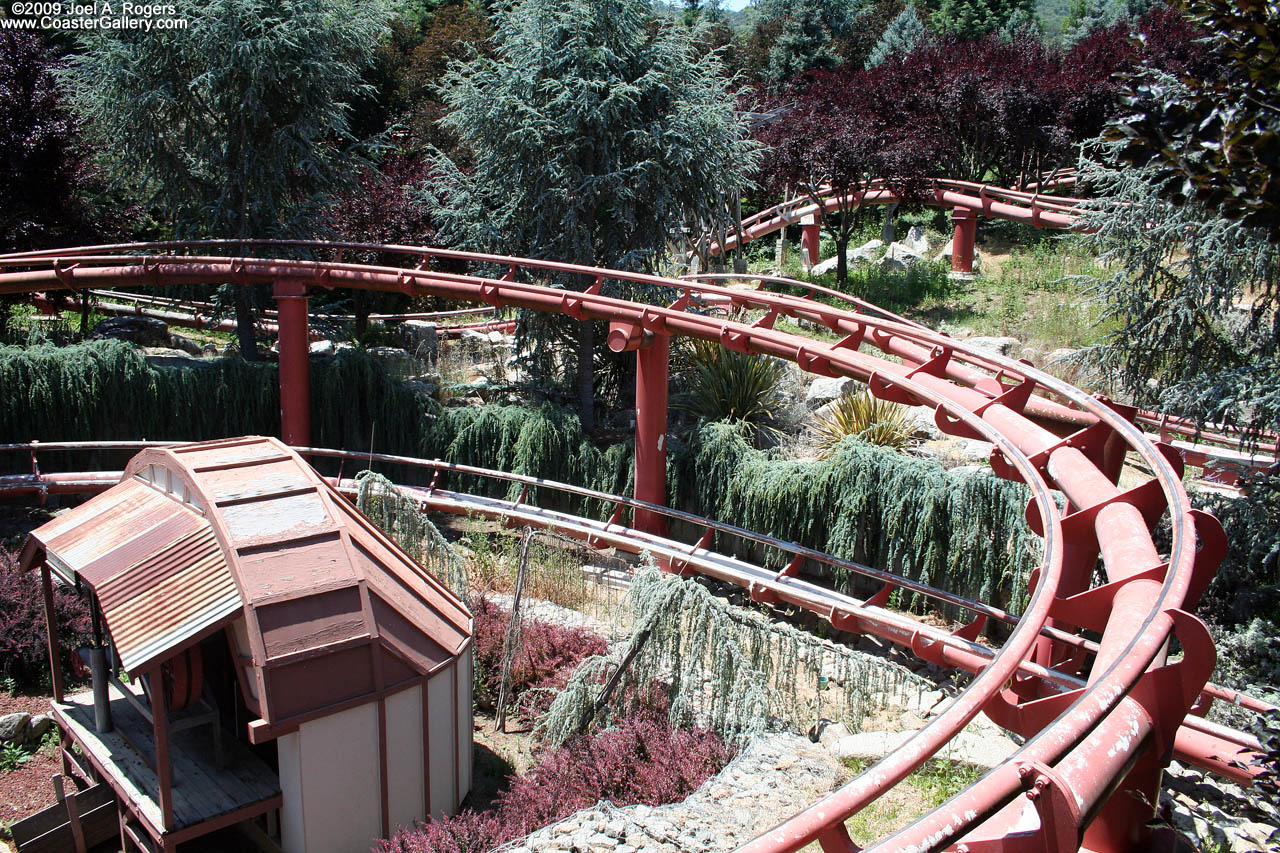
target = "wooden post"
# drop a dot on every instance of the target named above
(513, 632)
(51, 631)
(160, 725)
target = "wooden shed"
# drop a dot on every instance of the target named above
(283, 657)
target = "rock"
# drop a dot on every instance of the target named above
(832, 734)
(891, 264)
(422, 385)
(185, 344)
(958, 452)
(916, 240)
(824, 389)
(13, 727)
(923, 424)
(873, 745)
(1060, 355)
(325, 347)
(868, 251)
(38, 727)
(169, 357)
(824, 267)
(420, 338)
(394, 359)
(903, 253)
(864, 254)
(143, 331)
(998, 346)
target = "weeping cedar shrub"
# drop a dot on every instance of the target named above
(642, 759)
(965, 533)
(24, 648)
(102, 390)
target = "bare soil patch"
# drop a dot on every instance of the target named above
(27, 789)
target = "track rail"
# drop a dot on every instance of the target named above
(1110, 733)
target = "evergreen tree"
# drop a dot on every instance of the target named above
(238, 125)
(595, 132)
(971, 19)
(809, 35)
(900, 38)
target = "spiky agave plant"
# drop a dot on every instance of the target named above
(723, 385)
(867, 418)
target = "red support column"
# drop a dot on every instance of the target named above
(653, 359)
(810, 237)
(295, 367)
(966, 222)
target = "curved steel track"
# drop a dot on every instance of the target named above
(1101, 717)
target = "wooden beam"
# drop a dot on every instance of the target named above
(51, 632)
(160, 723)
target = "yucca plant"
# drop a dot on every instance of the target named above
(866, 418)
(723, 385)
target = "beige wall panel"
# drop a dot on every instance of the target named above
(441, 705)
(341, 780)
(465, 751)
(293, 837)
(406, 784)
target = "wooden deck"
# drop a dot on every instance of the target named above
(202, 791)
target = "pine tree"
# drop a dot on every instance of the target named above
(595, 132)
(236, 126)
(900, 37)
(809, 31)
(970, 19)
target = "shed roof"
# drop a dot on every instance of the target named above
(196, 536)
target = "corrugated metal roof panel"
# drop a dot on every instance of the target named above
(154, 563)
(168, 598)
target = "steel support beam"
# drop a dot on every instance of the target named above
(810, 238)
(966, 231)
(295, 362)
(653, 360)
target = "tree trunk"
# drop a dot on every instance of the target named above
(842, 260)
(586, 375)
(244, 324)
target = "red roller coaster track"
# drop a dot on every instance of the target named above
(1102, 718)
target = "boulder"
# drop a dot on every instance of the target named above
(868, 251)
(997, 346)
(891, 264)
(169, 357)
(38, 727)
(427, 385)
(185, 344)
(394, 359)
(916, 240)
(824, 389)
(1060, 355)
(904, 253)
(420, 338)
(143, 331)
(322, 348)
(824, 267)
(13, 727)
